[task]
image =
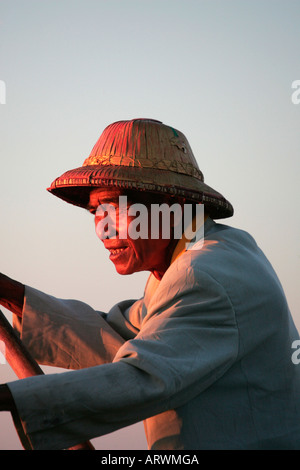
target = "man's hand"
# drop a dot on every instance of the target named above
(11, 294)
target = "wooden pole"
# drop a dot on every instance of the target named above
(22, 363)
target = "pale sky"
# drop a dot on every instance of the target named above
(219, 71)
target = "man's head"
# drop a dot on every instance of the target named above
(134, 232)
(148, 162)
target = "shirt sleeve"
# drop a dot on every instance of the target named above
(187, 341)
(71, 334)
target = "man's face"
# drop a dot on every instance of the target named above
(129, 255)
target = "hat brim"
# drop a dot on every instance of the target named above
(74, 186)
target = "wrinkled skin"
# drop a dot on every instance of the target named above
(132, 255)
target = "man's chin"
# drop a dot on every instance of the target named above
(123, 270)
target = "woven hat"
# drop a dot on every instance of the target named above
(143, 155)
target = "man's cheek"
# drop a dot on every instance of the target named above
(122, 224)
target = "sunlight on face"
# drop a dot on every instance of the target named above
(116, 227)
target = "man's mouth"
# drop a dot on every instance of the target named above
(114, 252)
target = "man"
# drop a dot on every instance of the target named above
(204, 357)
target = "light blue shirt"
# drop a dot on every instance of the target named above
(204, 357)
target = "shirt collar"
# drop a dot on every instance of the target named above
(181, 247)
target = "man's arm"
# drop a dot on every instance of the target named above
(66, 333)
(188, 340)
(12, 298)
(11, 294)
(63, 332)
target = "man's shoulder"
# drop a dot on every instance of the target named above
(220, 244)
(225, 254)
(223, 232)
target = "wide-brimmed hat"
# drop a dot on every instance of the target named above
(143, 155)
